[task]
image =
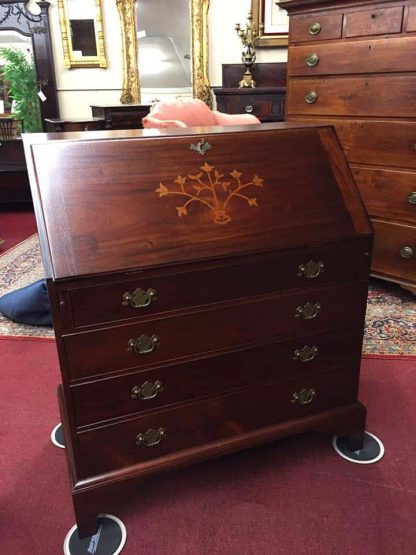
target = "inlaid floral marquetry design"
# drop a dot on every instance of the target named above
(212, 189)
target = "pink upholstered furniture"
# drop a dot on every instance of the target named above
(191, 113)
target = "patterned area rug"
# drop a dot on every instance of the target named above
(390, 321)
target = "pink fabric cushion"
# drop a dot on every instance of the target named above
(192, 112)
(149, 122)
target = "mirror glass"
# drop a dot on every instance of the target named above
(165, 49)
(82, 33)
(164, 45)
(11, 39)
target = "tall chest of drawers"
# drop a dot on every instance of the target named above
(208, 290)
(352, 64)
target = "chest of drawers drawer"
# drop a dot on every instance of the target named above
(353, 96)
(155, 435)
(315, 27)
(149, 293)
(387, 193)
(376, 21)
(266, 104)
(172, 384)
(394, 250)
(361, 56)
(200, 332)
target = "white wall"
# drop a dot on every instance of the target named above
(78, 88)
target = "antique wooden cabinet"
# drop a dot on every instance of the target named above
(352, 64)
(208, 289)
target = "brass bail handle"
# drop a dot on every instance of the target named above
(306, 354)
(311, 269)
(139, 298)
(151, 438)
(143, 344)
(304, 397)
(147, 390)
(308, 311)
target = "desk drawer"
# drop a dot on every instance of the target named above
(106, 302)
(315, 27)
(114, 447)
(195, 334)
(387, 193)
(267, 107)
(148, 390)
(378, 21)
(363, 56)
(394, 250)
(353, 96)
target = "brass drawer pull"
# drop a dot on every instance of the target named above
(306, 354)
(146, 391)
(312, 60)
(249, 109)
(406, 252)
(151, 438)
(412, 197)
(308, 311)
(311, 97)
(304, 397)
(314, 28)
(139, 298)
(143, 344)
(311, 269)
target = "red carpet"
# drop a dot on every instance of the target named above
(293, 496)
(15, 227)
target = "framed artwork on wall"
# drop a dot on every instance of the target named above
(272, 22)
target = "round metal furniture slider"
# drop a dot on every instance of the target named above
(406, 252)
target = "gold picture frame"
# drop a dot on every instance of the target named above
(199, 51)
(71, 58)
(272, 23)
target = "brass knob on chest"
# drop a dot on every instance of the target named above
(311, 97)
(306, 354)
(151, 438)
(249, 109)
(139, 298)
(412, 197)
(406, 252)
(308, 311)
(304, 397)
(146, 391)
(312, 60)
(314, 28)
(143, 344)
(311, 269)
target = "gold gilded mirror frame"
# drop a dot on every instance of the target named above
(70, 59)
(199, 51)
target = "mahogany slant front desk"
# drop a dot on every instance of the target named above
(208, 288)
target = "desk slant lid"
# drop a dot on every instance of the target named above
(107, 203)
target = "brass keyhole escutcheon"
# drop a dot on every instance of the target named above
(312, 60)
(314, 29)
(151, 438)
(308, 311)
(139, 298)
(306, 354)
(406, 252)
(147, 390)
(143, 344)
(311, 269)
(311, 97)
